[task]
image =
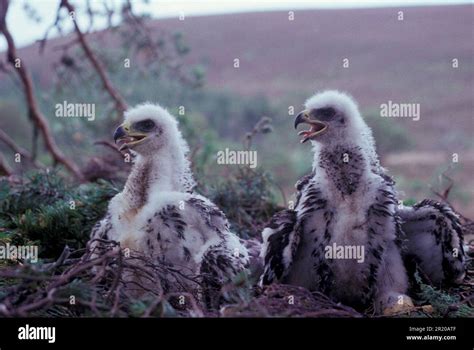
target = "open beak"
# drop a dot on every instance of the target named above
(125, 138)
(316, 126)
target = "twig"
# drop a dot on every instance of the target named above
(56, 24)
(33, 110)
(119, 101)
(110, 145)
(42, 287)
(17, 149)
(445, 193)
(4, 167)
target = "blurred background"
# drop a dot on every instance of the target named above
(183, 56)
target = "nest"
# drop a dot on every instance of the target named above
(101, 282)
(106, 281)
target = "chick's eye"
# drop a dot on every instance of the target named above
(144, 125)
(326, 112)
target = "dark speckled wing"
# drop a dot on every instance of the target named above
(429, 227)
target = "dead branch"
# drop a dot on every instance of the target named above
(119, 101)
(113, 279)
(17, 149)
(33, 110)
(108, 13)
(56, 25)
(444, 194)
(263, 126)
(4, 167)
(109, 145)
(155, 54)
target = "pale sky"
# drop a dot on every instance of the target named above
(25, 31)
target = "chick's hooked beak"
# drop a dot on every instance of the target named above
(124, 137)
(316, 126)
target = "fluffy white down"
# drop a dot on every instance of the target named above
(157, 214)
(176, 148)
(359, 131)
(350, 222)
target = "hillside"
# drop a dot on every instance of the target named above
(407, 61)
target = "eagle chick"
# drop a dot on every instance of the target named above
(343, 207)
(158, 214)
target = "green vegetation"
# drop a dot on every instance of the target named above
(45, 211)
(247, 199)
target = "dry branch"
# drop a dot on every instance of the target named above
(109, 145)
(4, 167)
(113, 281)
(54, 25)
(33, 110)
(119, 101)
(444, 196)
(17, 149)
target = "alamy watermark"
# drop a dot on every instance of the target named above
(400, 110)
(37, 333)
(230, 157)
(343, 252)
(24, 252)
(75, 110)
